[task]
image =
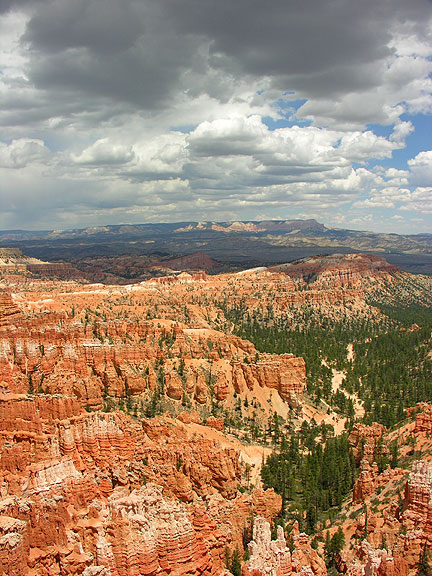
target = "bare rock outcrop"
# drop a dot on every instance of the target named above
(393, 538)
(67, 352)
(285, 373)
(8, 308)
(145, 530)
(99, 493)
(423, 421)
(364, 439)
(365, 484)
(339, 270)
(378, 562)
(267, 557)
(305, 560)
(418, 494)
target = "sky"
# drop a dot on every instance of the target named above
(134, 111)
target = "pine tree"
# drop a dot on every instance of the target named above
(394, 454)
(334, 546)
(327, 545)
(424, 567)
(365, 535)
(235, 567)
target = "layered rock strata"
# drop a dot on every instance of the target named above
(339, 270)
(423, 421)
(365, 484)
(12, 260)
(90, 358)
(8, 309)
(90, 493)
(269, 557)
(393, 537)
(364, 440)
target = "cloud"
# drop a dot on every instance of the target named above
(150, 56)
(20, 153)
(133, 109)
(104, 152)
(421, 169)
(402, 190)
(419, 200)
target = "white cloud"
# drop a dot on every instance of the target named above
(20, 153)
(12, 26)
(419, 200)
(421, 169)
(401, 131)
(104, 152)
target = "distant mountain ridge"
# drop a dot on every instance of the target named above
(256, 226)
(178, 227)
(236, 244)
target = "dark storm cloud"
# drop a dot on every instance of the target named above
(119, 50)
(301, 44)
(286, 37)
(103, 26)
(7, 5)
(139, 52)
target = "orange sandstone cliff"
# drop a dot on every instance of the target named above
(87, 492)
(91, 483)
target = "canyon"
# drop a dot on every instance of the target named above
(120, 448)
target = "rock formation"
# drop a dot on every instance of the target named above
(101, 491)
(418, 494)
(67, 345)
(423, 421)
(114, 402)
(8, 309)
(365, 484)
(364, 440)
(269, 557)
(195, 261)
(305, 560)
(12, 260)
(392, 537)
(339, 269)
(378, 562)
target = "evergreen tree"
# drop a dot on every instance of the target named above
(424, 568)
(327, 545)
(235, 567)
(365, 534)
(394, 455)
(334, 546)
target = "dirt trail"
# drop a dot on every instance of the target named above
(337, 421)
(338, 377)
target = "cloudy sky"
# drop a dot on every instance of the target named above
(130, 111)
